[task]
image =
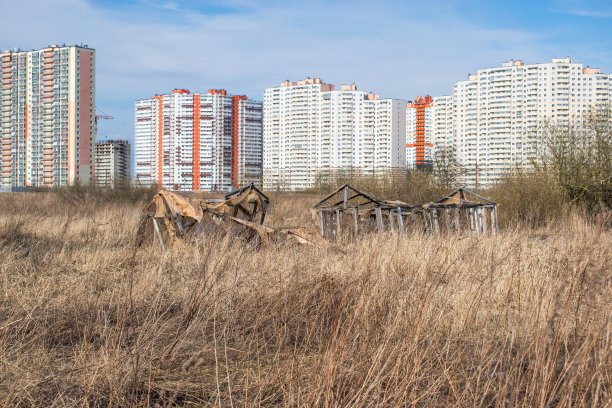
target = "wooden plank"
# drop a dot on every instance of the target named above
(379, 221)
(338, 222)
(391, 221)
(356, 219)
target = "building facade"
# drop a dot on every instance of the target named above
(112, 163)
(189, 142)
(492, 119)
(419, 133)
(47, 121)
(312, 129)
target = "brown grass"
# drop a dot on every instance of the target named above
(521, 319)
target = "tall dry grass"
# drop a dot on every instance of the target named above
(520, 319)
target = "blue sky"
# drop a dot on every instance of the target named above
(398, 49)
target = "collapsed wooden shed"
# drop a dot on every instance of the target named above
(348, 210)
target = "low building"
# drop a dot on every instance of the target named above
(112, 162)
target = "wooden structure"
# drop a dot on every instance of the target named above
(479, 212)
(365, 213)
(348, 210)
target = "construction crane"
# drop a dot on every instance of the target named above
(102, 115)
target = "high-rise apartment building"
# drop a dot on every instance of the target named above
(112, 162)
(419, 129)
(310, 129)
(47, 117)
(188, 142)
(492, 118)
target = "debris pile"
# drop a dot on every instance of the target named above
(171, 217)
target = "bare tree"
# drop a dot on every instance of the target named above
(579, 157)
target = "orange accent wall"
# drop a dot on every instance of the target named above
(420, 104)
(196, 143)
(160, 139)
(217, 91)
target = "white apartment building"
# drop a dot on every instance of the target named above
(189, 142)
(492, 118)
(112, 163)
(47, 117)
(310, 128)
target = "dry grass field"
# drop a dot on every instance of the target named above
(518, 319)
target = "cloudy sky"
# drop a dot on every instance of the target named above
(398, 49)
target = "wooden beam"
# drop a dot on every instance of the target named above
(338, 222)
(391, 220)
(356, 219)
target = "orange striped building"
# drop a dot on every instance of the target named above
(198, 141)
(419, 143)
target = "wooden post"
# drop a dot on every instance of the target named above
(322, 216)
(447, 220)
(457, 223)
(391, 221)
(426, 219)
(338, 222)
(356, 216)
(379, 221)
(483, 220)
(332, 228)
(468, 214)
(434, 216)
(494, 219)
(346, 194)
(400, 221)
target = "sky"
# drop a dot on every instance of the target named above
(398, 49)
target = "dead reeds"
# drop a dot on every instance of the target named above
(518, 319)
